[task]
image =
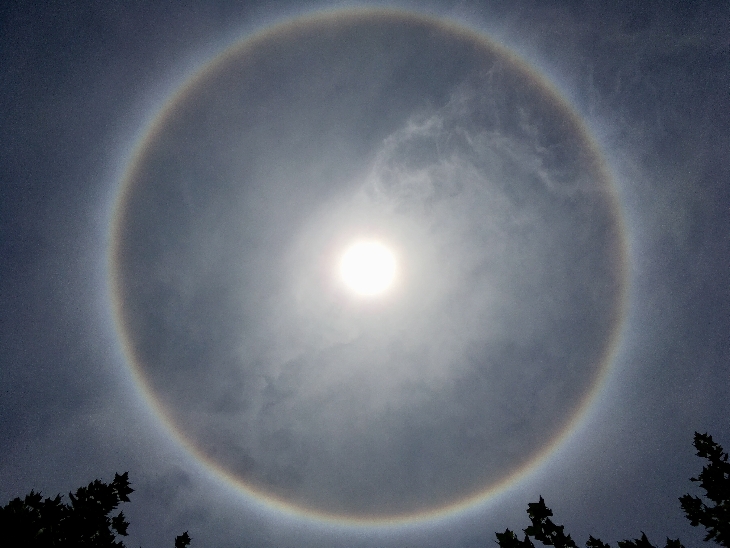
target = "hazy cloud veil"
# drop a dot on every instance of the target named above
(379, 125)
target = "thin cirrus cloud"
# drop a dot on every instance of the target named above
(383, 125)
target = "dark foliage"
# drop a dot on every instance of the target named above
(714, 480)
(87, 522)
(182, 541)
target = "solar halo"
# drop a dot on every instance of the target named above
(174, 281)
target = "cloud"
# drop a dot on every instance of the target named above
(508, 289)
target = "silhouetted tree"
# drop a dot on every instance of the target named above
(714, 480)
(87, 522)
(182, 541)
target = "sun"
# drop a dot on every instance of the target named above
(368, 268)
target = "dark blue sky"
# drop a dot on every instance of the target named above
(80, 81)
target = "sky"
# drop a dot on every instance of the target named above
(180, 182)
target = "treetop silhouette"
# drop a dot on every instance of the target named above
(88, 521)
(715, 481)
(715, 517)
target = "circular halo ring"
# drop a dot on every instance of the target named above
(127, 188)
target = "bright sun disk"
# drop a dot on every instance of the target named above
(368, 268)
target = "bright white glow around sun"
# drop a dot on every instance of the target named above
(368, 268)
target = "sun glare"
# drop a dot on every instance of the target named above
(368, 268)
